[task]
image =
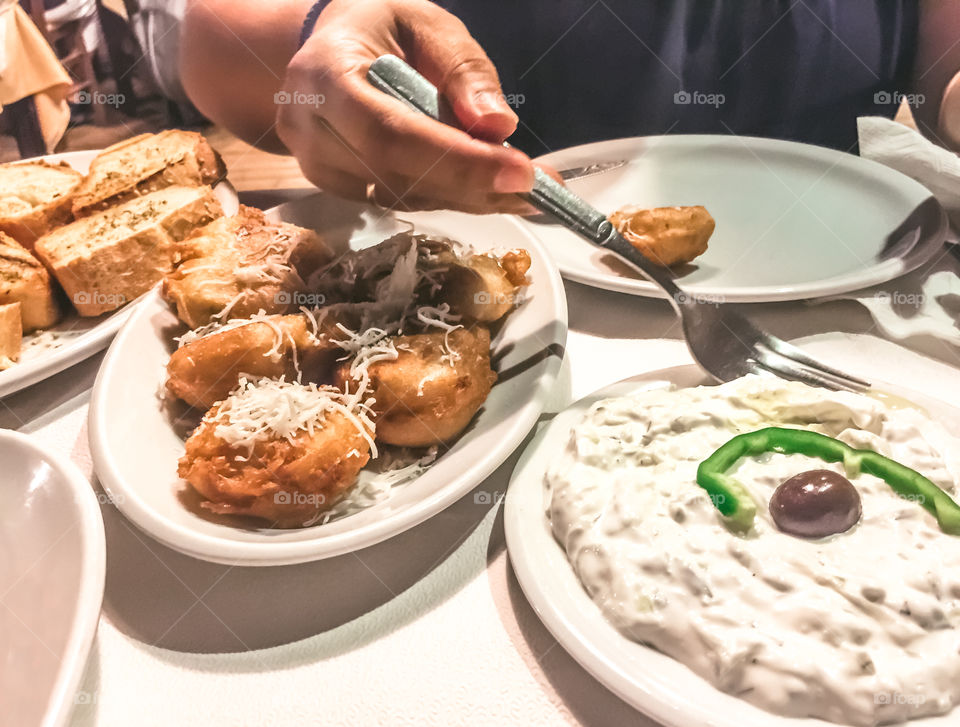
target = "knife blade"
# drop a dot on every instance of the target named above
(589, 170)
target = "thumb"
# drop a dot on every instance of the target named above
(456, 64)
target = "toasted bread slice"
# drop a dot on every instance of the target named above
(11, 335)
(24, 280)
(35, 197)
(243, 264)
(144, 164)
(109, 258)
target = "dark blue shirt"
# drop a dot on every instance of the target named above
(582, 71)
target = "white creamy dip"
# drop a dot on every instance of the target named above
(862, 627)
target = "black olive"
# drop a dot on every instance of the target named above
(815, 504)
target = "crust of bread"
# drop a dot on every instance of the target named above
(24, 280)
(110, 258)
(144, 164)
(35, 197)
(11, 334)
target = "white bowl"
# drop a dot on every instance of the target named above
(51, 581)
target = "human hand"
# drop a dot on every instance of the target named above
(347, 135)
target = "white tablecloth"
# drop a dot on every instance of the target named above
(430, 627)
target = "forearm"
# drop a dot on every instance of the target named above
(233, 56)
(937, 72)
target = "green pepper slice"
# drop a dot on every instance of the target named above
(733, 500)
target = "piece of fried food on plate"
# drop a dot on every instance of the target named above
(239, 265)
(483, 287)
(24, 280)
(406, 268)
(281, 451)
(429, 393)
(207, 367)
(666, 235)
(11, 335)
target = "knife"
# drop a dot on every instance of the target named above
(394, 77)
(589, 170)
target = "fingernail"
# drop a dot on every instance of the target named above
(488, 102)
(512, 180)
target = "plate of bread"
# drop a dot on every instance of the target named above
(317, 378)
(83, 235)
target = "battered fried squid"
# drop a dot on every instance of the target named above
(283, 452)
(429, 393)
(239, 265)
(666, 235)
(206, 369)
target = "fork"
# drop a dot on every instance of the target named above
(722, 341)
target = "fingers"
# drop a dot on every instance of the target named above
(355, 134)
(444, 51)
(396, 138)
(332, 165)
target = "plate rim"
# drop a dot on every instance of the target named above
(231, 552)
(644, 696)
(93, 562)
(884, 272)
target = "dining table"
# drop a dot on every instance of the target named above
(430, 626)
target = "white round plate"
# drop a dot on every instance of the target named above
(649, 680)
(51, 578)
(74, 338)
(135, 449)
(794, 221)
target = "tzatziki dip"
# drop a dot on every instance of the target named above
(859, 627)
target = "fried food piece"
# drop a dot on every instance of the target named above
(244, 264)
(288, 482)
(205, 370)
(484, 288)
(666, 235)
(431, 391)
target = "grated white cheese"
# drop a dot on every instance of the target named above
(266, 409)
(217, 326)
(441, 317)
(397, 467)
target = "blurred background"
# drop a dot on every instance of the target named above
(84, 74)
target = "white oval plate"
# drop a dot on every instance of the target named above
(649, 680)
(135, 449)
(74, 338)
(51, 581)
(794, 221)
